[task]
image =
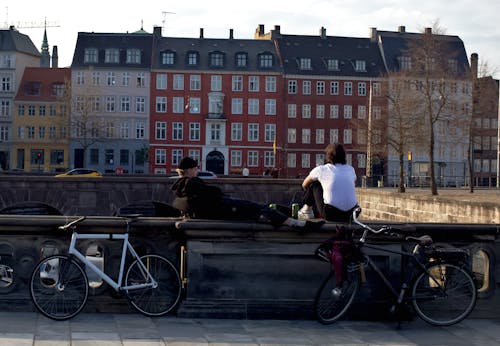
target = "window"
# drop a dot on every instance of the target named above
(178, 82)
(192, 58)
(320, 111)
(270, 84)
(4, 133)
(306, 111)
(306, 136)
(178, 105)
(253, 106)
(140, 129)
(90, 55)
(31, 108)
(292, 135)
(265, 60)
(5, 108)
(292, 110)
(167, 58)
(253, 83)
(20, 110)
(6, 84)
(361, 112)
(124, 156)
(270, 107)
(334, 88)
(361, 161)
(253, 158)
(125, 78)
(236, 158)
(305, 64)
(292, 86)
(241, 60)
(269, 132)
(80, 78)
(140, 104)
(161, 81)
(306, 87)
(377, 112)
(125, 103)
(31, 132)
(362, 89)
(141, 79)
(216, 83)
(124, 130)
(291, 160)
(111, 56)
(306, 160)
(52, 110)
(269, 160)
(404, 63)
(176, 156)
(194, 105)
(360, 66)
(160, 156)
(109, 130)
(237, 106)
(161, 104)
(320, 136)
(237, 83)
(110, 103)
(195, 82)
(334, 135)
(177, 131)
(377, 89)
(320, 88)
(347, 88)
(332, 64)
(194, 154)
(215, 132)
(217, 59)
(110, 79)
(194, 131)
(253, 132)
(347, 112)
(236, 132)
(133, 56)
(56, 157)
(347, 136)
(161, 130)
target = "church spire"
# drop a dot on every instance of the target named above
(45, 58)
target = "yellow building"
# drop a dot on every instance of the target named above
(40, 122)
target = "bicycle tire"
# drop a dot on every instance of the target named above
(444, 295)
(158, 300)
(329, 308)
(59, 287)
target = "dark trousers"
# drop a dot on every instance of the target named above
(239, 209)
(313, 196)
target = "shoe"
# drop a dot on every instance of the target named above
(313, 225)
(305, 213)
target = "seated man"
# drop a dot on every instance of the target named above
(197, 199)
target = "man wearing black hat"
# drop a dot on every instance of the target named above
(197, 199)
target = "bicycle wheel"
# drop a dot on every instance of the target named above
(59, 287)
(156, 300)
(329, 304)
(444, 295)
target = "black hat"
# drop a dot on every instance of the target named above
(187, 163)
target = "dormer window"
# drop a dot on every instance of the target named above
(192, 59)
(305, 64)
(332, 64)
(112, 56)
(167, 58)
(404, 63)
(241, 59)
(133, 56)
(58, 89)
(216, 59)
(360, 66)
(33, 88)
(265, 60)
(90, 55)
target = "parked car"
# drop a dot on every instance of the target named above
(80, 173)
(201, 174)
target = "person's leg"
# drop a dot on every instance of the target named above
(319, 204)
(313, 204)
(335, 214)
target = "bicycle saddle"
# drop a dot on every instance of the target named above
(423, 240)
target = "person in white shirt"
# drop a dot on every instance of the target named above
(330, 189)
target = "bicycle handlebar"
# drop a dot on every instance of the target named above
(383, 229)
(71, 224)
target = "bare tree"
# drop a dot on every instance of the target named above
(434, 68)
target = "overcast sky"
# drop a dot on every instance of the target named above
(474, 21)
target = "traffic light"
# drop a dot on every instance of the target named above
(38, 156)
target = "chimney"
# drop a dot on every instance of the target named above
(261, 29)
(474, 58)
(55, 57)
(157, 32)
(373, 34)
(201, 32)
(428, 31)
(277, 29)
(231, 34)
(322, 32)
(401, 28)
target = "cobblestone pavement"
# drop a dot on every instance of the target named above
(21, 328)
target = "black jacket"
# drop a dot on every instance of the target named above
(197, 199)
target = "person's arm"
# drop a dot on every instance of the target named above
(307, 181)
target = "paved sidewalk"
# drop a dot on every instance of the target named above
(20, 328)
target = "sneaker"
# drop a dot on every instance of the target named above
(305, 213)
(313, 225)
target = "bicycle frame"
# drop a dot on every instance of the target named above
(117, 285)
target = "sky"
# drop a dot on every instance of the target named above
(474, 21)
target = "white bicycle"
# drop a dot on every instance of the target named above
(59, 286)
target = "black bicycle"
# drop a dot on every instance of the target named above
(438, 282)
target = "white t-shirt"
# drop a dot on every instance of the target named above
(338, 182)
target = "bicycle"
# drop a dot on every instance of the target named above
(438, 284)
(59, 286)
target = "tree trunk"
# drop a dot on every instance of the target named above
(431, 159)
(401, 173)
